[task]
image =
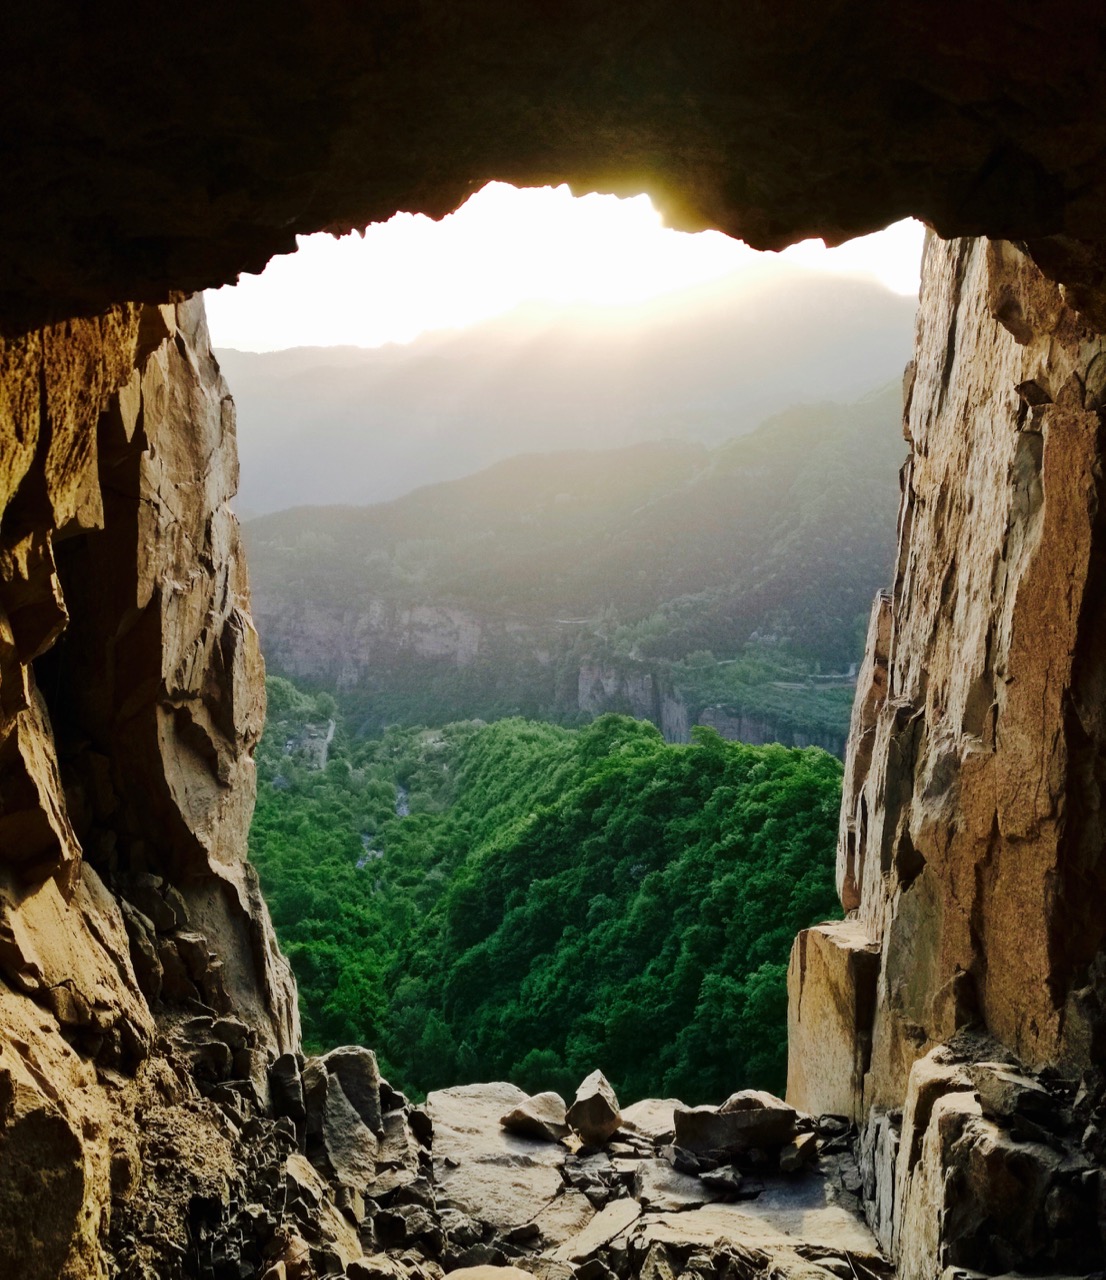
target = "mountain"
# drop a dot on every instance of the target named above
(661, 579)
(353, 425)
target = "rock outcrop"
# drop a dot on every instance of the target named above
(139, 967)
(969, 857)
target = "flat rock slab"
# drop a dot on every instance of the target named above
(564, 1218)
(481, 1169)
(661, 1188)
(785, 1215)
(602, 1229)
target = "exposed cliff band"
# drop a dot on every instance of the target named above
(969, 848)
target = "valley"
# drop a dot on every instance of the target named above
(667, 581)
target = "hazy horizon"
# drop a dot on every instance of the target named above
(361, 425)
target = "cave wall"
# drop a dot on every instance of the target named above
(144, 159)
(131, 696)
(970, 853)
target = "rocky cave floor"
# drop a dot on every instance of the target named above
(305, 1169)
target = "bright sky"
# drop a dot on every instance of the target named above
(506, 247)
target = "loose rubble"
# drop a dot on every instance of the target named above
(323, 1170)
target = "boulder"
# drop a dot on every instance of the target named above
(652, 1118)
(351, 1146)
(357, 1069)
(747, 1119)
(541, 1116)
(1004, 1092)
(831, 989)
(595, 1114)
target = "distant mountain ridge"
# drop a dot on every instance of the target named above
(352, 425)
(658, 579)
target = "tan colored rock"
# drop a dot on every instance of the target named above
(831, 990)
(541, 1116)
(609, 1223)
(595, 1113)
(750, 1118)
(564, 1217)
(964, 760)
(785, 1216)
(480, 1168)
(490, 1273)
(659, 1187)
(652, 1118)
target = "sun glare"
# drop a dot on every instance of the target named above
(507, 247)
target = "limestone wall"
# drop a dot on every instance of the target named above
(970, 852)
(131, 697)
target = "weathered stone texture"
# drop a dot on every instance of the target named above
(831, 988)
(971, 796)
(971, 837)
(131, 697)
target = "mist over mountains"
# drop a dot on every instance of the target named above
(656, 579)
(355, 426)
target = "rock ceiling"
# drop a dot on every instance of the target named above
(142, 160)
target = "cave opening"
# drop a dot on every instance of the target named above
(486, 588)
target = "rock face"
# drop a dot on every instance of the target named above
(130, 700)
(970, 850)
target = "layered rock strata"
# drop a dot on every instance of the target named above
(970, 852)
(136, 956)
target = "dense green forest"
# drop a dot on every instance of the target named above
(735, 577)
(519, 900)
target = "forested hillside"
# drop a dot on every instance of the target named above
(522, 901)
(560, 585)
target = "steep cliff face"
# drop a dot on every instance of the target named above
(970, 851)
(131, 695)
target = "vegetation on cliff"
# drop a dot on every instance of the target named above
(734, 578)
(518, 900)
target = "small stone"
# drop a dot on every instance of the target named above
(726, 1180)
(798, 1153)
